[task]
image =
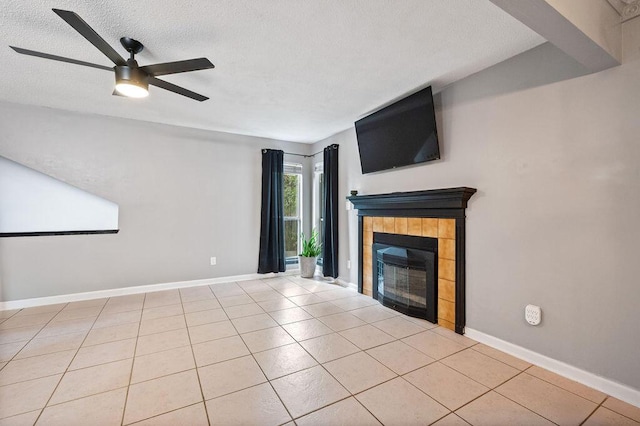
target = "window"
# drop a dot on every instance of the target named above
(318, 201)
(292, 211)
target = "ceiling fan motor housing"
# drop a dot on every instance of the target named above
(133, 75)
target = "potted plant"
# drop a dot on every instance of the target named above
(311, 249)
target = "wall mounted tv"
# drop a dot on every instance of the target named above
(400, 134)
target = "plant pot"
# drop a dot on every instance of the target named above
(307, 266)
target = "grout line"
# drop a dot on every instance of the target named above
(167, 412)
(160, 377)
(563, 388)
(489, 387)
(133, 362)
(11, 316)
(499, 360)
(42, 354)
(294, 342)
(166, 375)
(42, 327)
(611, 409)
(7, 419)
(89, 395)
(333, 403)
(195, 364)
(70, 362)
(593, 412)
(493, 359)
(516, 402)
(451, 413)
(109, 341)
(366, 389)
(351, 395)
(263, 373)
(435, 400)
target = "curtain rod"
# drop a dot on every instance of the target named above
(304, 155)
(334, 146)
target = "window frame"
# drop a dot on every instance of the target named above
(295, 169)
(317, 201)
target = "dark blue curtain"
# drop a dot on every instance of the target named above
(271, 256)
(330, 234)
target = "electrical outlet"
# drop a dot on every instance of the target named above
(348, 264)
(533, 314)
(213, 261)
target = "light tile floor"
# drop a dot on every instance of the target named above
(269, 352)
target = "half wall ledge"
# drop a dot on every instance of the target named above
(56, 233)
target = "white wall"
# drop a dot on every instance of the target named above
(31, 201)
(184, 195)
(555, 220)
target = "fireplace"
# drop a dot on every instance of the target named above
(405, 274)
(434, 214)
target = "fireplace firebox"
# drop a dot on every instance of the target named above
(405, 274)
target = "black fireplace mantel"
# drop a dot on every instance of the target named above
(448, 202)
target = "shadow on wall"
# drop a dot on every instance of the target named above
(542, 65)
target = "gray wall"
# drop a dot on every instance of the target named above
(184, 195)
(555, 220)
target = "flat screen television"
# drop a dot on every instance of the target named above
(400, 134)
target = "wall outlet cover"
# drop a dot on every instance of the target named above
(533, 314)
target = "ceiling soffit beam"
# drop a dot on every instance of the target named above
(568, 35)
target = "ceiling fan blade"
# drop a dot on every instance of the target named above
(87, 32)
(177, 67)
(59, 58)
(176, 89)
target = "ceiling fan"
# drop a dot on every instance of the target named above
(131, 80)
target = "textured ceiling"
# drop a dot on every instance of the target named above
(298, 70)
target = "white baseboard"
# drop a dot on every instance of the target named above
(608, 386)
(99, 294)
(347, 283)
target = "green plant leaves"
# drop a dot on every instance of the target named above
(311, 247)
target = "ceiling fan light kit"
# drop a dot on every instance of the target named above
(131, 80)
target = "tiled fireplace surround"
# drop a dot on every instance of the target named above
(438, 213)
